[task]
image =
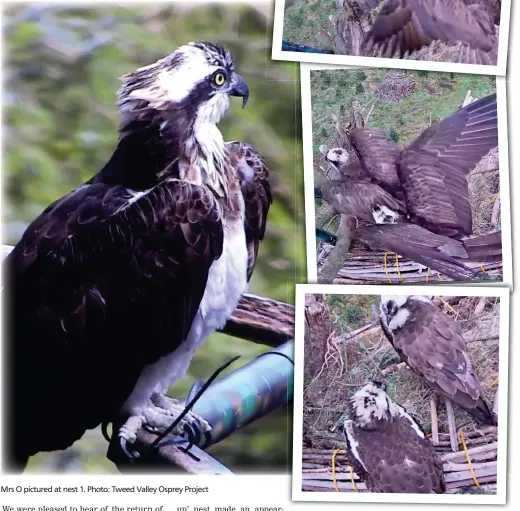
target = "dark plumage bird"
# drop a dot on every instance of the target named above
(388, 448)
(418, 196)
(404, 26)
(431, 343)
(114, 286)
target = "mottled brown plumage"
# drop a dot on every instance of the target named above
(256, 191)
(378, 155)
(431, 343)
(434, 168)
(388, 448)
(405, 26)
(359, 199)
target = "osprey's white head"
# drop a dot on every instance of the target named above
(185, 95)
(394, 312)
(338, 156)
(197, 78)
(384, 215)
(371, 404)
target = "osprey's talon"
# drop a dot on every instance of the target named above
(128, 435)
(131, 455)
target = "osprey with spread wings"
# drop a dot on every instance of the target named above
(418, 196)
(114, 286)
(404, 26)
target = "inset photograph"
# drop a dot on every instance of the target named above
(405, 177)
(400, 394)
(418, 34)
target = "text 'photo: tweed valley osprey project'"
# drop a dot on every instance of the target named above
(159, 227)
(407, 178)
(400, 393)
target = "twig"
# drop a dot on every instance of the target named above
(454, 441)
(483, 339)
(435, 423)
(496, 211)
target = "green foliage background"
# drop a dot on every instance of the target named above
(60, 127)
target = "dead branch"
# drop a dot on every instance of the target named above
(337, 257)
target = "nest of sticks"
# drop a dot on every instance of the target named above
(479, 475)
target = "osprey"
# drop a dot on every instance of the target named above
(114, 287)
(388, 448)
(432, 345)
(419, 196)
(404, 26)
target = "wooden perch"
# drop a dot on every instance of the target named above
(262, 320)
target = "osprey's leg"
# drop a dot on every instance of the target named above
(167, 409)
(163, 401)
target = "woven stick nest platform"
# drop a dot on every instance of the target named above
(461, 476)
(376, 267)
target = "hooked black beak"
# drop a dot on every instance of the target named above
(381, 385)
(240, 89)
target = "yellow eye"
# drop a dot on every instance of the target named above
(219, 79)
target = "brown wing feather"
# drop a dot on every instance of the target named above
(419, 245)
(100, 284)
(358, 199)
(378, 155)
(434, 348)
(433, 169)
(404, 26)
(256, 190)
(397, 460)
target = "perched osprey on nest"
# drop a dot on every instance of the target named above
(419, 196)
(388, 448)
(404, 26)
(114, 287)
(432, 345)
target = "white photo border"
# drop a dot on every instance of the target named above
(308, 170)
(299, 495)
(346, 60)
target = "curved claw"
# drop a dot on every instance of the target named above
(104, 431)
(192, 433)
(132, 456)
